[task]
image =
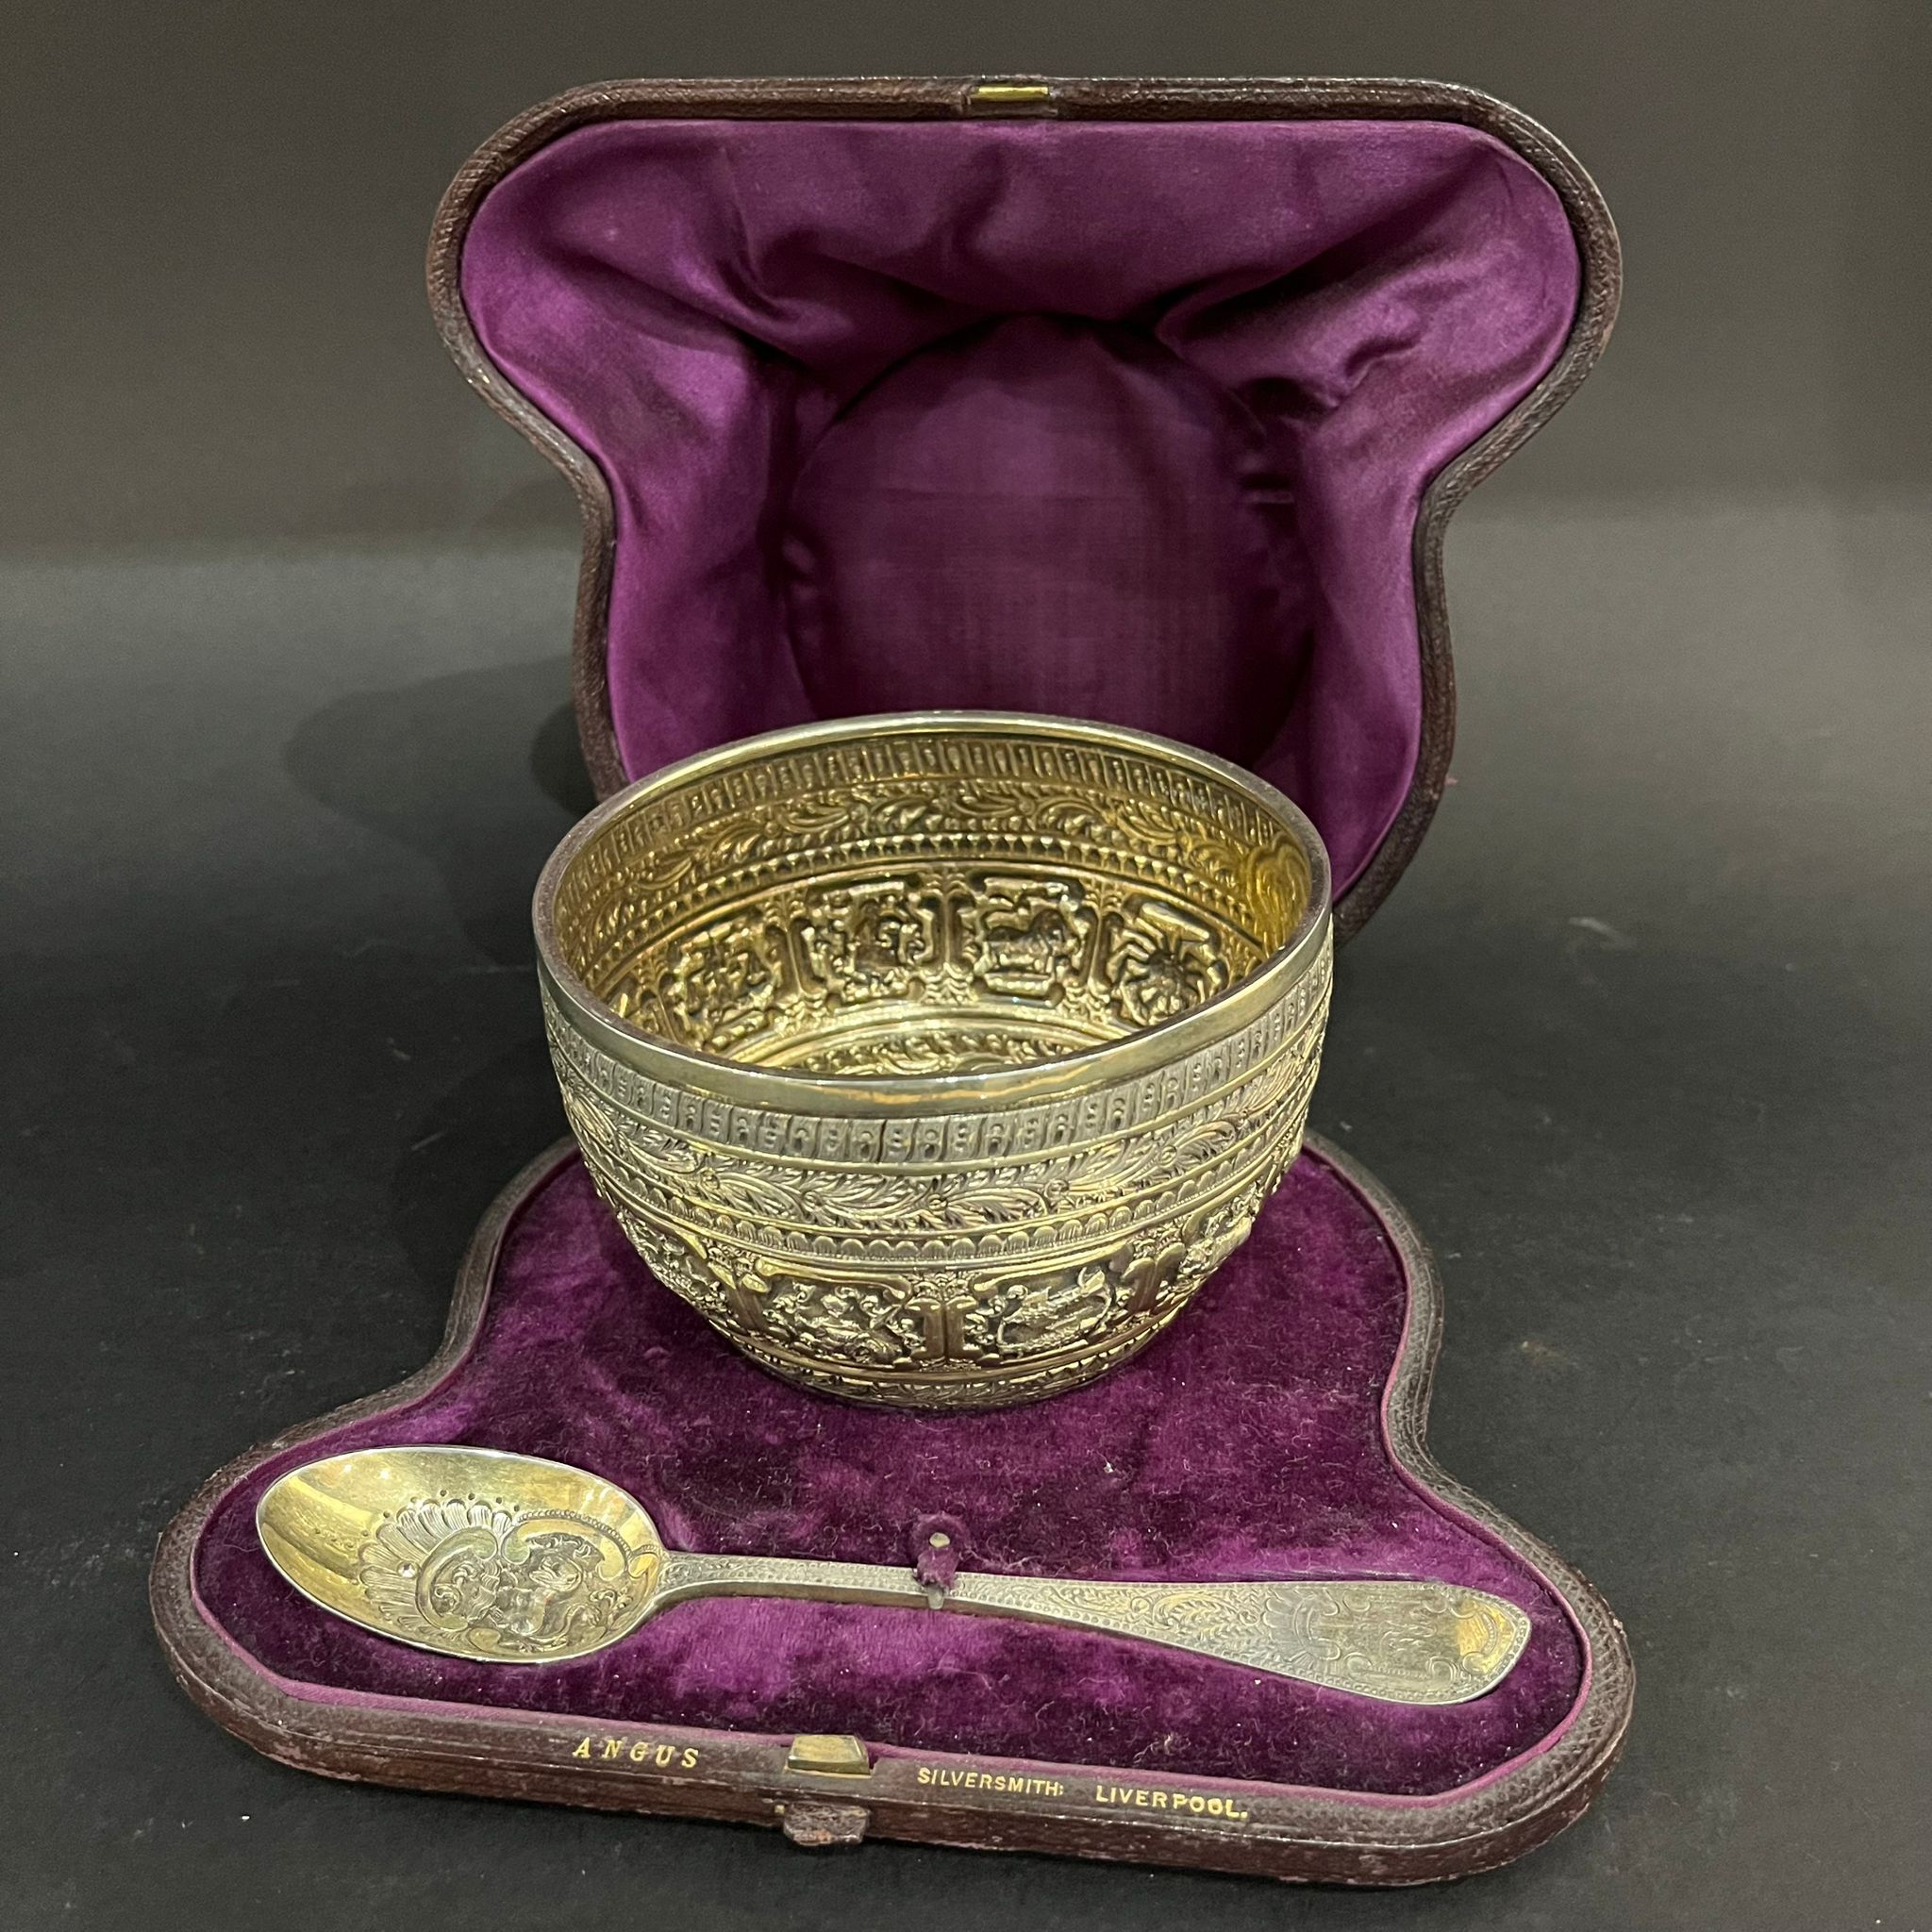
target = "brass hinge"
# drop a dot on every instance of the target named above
(1017, 99)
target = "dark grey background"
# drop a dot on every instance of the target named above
(1642, 1040)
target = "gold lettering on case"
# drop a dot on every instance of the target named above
(1174, 1802)
(1014, 1783)
(651, 1751)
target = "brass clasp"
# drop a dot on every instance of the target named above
(828, 1756)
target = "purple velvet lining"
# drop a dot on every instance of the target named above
(1246, 1442)
(1115, 419)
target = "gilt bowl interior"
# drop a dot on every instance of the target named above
(936, 894)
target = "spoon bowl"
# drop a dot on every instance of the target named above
(471, 1552)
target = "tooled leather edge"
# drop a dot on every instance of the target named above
(1299, 1834)
(1106, 99)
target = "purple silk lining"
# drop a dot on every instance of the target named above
(1247, 1442)
(1116, 420)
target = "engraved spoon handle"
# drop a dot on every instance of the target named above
(1400, 1641)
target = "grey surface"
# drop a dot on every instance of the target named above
(1642, 1040)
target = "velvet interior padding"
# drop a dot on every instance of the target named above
(1126, 421)
(1247, 1442)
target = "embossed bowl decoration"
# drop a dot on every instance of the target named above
(938, 1058)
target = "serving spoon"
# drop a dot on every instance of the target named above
(506, 1558)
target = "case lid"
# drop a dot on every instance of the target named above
(1140, 401)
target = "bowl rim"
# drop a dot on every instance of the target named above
(1108, 1064)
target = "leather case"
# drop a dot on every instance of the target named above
(1139, 400)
